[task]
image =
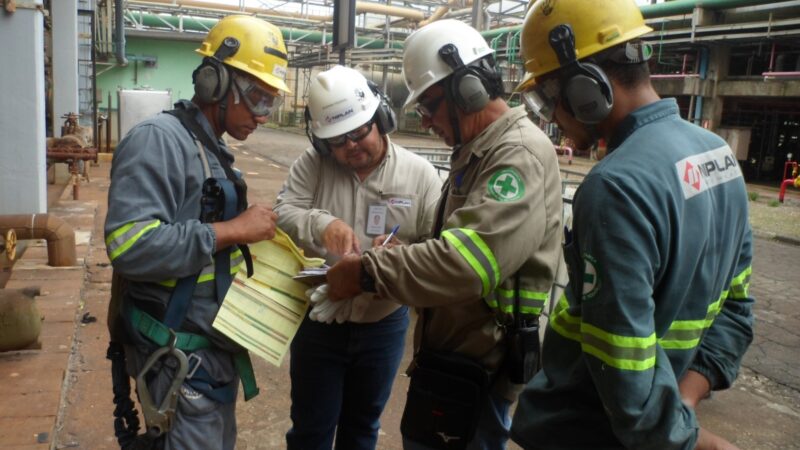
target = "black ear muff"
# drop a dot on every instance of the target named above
(320, 145)
(212, 79)
(467, 85)
(588, 94)
(385, 117)
(585, 87)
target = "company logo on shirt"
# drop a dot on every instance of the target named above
(401, 202)
(506, 186)
(591, 278)
(699, 173)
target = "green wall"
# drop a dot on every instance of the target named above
(173, 71)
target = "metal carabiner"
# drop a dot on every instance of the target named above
(158, 420)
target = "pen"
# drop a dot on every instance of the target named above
(391, 235)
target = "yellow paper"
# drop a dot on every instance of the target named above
(263, 313)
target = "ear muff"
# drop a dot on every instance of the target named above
(212, 79)
(319, 144)
(467, 85)
(585, 86)
(385, 117)
(588, 94)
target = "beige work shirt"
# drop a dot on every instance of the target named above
(319, 191)
(502, 216)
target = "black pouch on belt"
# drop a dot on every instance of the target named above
(522, 360)
(445, 398)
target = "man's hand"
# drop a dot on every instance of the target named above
(707, 440)
(693, 387)
(339, 239)
(344, 278)
(255, 224)
(378, 241)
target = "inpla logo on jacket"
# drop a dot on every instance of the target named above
(698, 173)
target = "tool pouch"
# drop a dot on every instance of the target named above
(523, 357)
(445, 398)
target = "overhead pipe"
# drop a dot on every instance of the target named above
(289, 34)
(59, 235)
(442, 10)
(119, 30)
(361, 7)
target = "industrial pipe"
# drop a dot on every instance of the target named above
(119, 30)
(59, 235)
(442, 10)
(793, 181)
(786, 183)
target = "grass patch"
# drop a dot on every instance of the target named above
(773, 203)
(753, 196)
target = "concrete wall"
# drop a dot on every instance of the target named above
(23, 187)
(65, 61)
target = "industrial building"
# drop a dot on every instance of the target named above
(733, 65)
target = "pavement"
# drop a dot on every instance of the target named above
(59, 396)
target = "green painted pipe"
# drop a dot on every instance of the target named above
(203, 25)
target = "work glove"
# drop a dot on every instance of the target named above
(324, 310)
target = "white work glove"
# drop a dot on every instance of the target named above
(324, 310)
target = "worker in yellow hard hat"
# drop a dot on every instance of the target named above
(657, 312)
(177, 230)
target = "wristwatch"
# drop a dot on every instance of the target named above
(366, 281)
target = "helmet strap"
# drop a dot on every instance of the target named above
(451, 111)
(223, 109)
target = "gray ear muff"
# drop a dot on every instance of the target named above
(588, 94)
(385, 117)
(471, 95)
(211, 82)
(320, 145)
(467, 86)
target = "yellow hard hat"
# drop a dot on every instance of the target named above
(261, 51)
(597, 25)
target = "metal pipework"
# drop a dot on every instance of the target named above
(59, 235)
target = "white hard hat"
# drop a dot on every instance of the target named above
(422, 65)
(340, 100)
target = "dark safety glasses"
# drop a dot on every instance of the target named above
(355, 135)
(429, 108)
(542, 98)
(259, 101)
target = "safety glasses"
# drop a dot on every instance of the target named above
(354, 136)
(259, 101)
(543, 98)
(429, 108)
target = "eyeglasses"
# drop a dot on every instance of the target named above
(429, 108)
(354, 136)
(259, 101)
(542, 98)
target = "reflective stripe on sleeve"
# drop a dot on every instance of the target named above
(125, 236)
(530, 302)
(686, 334)
(740, 285)
(478, 255)
(207, 274)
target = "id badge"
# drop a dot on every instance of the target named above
(376, 220)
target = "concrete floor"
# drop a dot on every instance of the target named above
(60, 395)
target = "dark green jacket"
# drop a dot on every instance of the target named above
(659, 261)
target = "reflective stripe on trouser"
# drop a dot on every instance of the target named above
(477, 254)
(123, 238)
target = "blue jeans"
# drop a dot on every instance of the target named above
(342, 376)
(493, 426)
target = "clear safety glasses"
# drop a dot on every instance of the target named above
(542, 98)
(259, 101)
(355, 135)
(429, 108)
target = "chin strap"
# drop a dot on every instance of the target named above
(223, 109)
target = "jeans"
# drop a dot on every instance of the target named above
(493, 426)
(342, 376)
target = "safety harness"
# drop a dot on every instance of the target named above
(222, 200)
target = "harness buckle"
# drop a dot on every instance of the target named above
(199, 359)
(159, 419)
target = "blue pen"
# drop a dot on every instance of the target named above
(391, 235)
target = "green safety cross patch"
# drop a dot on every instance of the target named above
(506, 186)
(591, 277)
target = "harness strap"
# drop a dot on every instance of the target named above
(158, 333)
